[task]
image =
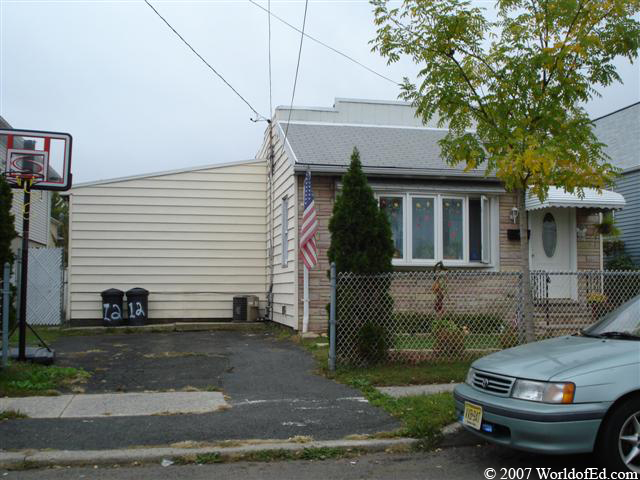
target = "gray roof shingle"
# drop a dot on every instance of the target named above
(380, 147)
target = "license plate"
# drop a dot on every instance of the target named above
(472, 415)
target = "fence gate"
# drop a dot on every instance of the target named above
(45, 289)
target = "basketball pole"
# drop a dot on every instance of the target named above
(22, 345)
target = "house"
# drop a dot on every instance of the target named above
(437, 212)
(194, 238)
(40, 208)
(197, 237)
(620, 131)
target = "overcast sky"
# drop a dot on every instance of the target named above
(136, 100)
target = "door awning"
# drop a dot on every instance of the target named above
(605, 200)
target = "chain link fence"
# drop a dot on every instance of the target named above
(411, 317)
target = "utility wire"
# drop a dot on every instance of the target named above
(204, 61)
(335, 50)
(295, 79)
(270, 94)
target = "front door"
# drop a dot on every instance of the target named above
(552, 247)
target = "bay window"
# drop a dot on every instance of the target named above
(426, 229)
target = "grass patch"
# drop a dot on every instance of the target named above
(390, 374)
(427, 341)
(11, 415)
(208, 458)
(24, 379)
(422, 416)
(275, 455)
(403, 374)
(49, 335)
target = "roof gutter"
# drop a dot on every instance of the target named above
(432, 173)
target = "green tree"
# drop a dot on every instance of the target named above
(7, 223)
(361, 240)
(511, 90)
(361, 243)
(60, 211)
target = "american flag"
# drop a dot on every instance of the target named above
(308, 245)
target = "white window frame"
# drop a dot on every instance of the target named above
(284, 231)
(438, 197)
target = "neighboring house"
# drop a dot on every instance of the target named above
(437, 212)
(194, 238)
(39, 225)
(620, 131)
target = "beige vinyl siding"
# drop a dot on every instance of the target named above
(194, 239)
(284, 286)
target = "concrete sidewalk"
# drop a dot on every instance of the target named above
(411, 390)
(115, 404)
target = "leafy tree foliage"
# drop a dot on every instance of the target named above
(511, 90)
(60, 211)
(361, 240)
(7, 223)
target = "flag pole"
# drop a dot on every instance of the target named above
(305, 300)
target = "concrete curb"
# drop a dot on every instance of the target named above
(174, 327)
(50, 458)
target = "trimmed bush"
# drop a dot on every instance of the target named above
(373, 344)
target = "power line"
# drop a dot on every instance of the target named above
(335, 50)
(270, 94)
(295, 79)
(204, 61)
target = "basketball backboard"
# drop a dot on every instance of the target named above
(41, 158)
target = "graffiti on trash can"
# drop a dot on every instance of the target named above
(138, 311)
(112, 312)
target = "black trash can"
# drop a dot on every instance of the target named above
(112, 314)
(137, 303)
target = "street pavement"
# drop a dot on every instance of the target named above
(457, 463)
(268, 383)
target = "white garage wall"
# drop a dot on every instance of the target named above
(194, 239)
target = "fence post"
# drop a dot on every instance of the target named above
(6, 289)
(332, 321)
(520, 310)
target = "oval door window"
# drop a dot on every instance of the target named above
(549, 235)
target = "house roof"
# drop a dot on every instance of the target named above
(387, 149)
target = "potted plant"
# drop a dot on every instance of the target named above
(598, 302)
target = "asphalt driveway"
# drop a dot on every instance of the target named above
(269, 384)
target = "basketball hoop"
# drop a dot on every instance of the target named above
(33, 160)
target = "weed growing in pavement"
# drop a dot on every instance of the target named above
(11, 415)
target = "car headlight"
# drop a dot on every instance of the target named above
(546, 392)
(470, 375)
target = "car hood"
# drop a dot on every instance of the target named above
(563, 355)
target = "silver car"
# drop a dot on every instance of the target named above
(571, 394)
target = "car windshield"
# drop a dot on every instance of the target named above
(622, 322)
